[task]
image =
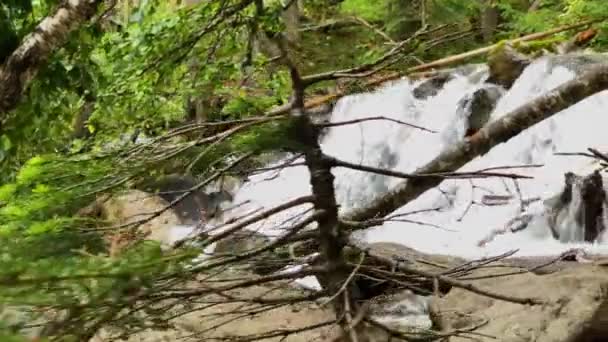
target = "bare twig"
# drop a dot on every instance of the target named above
(454, 282)
(440, 175)
(373, 118)
(261, 216)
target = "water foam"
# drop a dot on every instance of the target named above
(459, 220)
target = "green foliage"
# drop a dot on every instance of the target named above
(139, 76)
(551, 14)
(50, 258)
(368, 10)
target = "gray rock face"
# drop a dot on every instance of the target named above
(431, 86)
(479, 107)
(573, 308)
(577, 213)
(572, 298)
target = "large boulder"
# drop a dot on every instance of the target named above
(479, 106)
(431, 86)
(571, 298)
(200, 204)
(505, 65)
(136, 215)
(588, 222)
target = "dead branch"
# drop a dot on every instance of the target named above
(261, 216)
(450, 281)
(417, 71)
(305, 271)
(332, 75)
(334, 162)
(188, 192)
(428, 335)
(478, 52)
(373, 118)
(281, 241)
(598, 155)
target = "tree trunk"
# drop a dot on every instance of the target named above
(23, 64)
(291, 18)
(198, 106)
(496, 132)
(335, 279)
(535, 5)
(80, 129)
(490, 16)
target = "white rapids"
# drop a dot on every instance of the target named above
(450, 219)
(453, 217)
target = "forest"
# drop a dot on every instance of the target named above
(180, 101)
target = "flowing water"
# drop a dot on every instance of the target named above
(453, 217)
(450, 219)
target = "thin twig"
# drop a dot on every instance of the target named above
(373, 118)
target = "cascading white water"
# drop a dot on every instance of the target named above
(458, 220)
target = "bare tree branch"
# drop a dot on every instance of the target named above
(332, 75)
(373, 118)
(261, 216)
(439, 175)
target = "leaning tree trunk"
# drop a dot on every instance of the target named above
(291, 18)
(23, 64)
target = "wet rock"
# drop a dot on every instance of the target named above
(431, 86)
(576, 214)
(402, 311)
(479, 107)
(505, 65)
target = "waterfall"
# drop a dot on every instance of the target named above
(572, 130)
(450, 219)
(455, 216)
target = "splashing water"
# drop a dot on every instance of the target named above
(451, 218)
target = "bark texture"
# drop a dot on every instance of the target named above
(499, 131)
(23, 64)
